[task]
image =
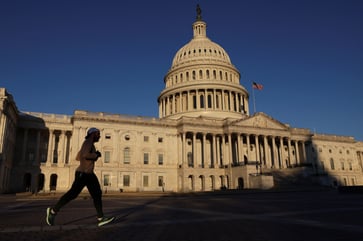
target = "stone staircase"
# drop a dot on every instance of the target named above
(294, 178)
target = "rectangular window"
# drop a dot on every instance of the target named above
(160, 181)
(106, 180)
(209, 101)
(145, 181)
(160, 139)
(107, 157)
(126, 180)
(127, 155)
(146, 158)
(350, 166)
(108, 136)
(146, 138)
(332, 164)
(160, 158)
(342, 165)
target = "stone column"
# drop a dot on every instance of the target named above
(62, 141)
(248, 147)
(267, 156)
(214, 99)
(218, 151)
(231, 183)
(257, 145)
(169, 106)
(173, 101)
(275, 165)
(289, 151)
(184, 154)
(229, 101)
(297, 155)
(205, 99)
(214, 148)
(230, 149)
(50, 147)
(239, 148)
(188, 101)
(194, 150)
(204, 158)
(242, 149)
(282, 156)
(223, 150)
(181, 105)
(223, 101)
(247, 107)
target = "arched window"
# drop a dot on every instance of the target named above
(200, 74)
(207, 74)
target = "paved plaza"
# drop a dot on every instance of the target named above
(314, 215)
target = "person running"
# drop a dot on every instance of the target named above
(84, 177)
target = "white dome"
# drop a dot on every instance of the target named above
(200, 49)
(202, 81)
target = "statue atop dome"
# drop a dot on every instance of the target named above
(199, 12)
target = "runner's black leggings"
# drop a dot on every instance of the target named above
(82, 180)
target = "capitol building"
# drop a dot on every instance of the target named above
(205, 138)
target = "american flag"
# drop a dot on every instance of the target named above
(257, 86)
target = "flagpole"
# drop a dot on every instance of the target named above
(254, 101)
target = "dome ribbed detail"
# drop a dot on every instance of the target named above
(201, 49)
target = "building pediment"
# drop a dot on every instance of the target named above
(261, 120)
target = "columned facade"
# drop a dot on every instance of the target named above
(204, 139)
(216, 154)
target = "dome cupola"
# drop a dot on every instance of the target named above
(202, 81)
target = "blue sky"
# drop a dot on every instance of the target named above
(112, 56)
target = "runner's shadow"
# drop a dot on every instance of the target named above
(120, 215)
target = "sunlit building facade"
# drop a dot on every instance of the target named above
(205, 138)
